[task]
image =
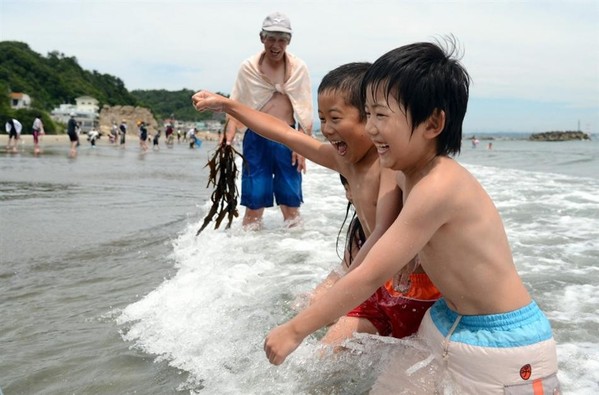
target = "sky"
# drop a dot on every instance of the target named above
(534, 64)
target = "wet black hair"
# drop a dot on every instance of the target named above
(345, 80)
(424, 78)
(355, 237)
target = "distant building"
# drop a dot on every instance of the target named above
(87, 104)
(19, 100)
(210, 125)
(85, 109)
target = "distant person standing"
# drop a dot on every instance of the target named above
(155, 141)
(114, 132)
(169, 134)
(143, 136)
(37, 131)
(72, 131)
(190, 136)
(13, 128)
(123, 132)
(275, 82)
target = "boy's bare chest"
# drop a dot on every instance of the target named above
(365, 196)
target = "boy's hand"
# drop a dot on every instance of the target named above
(204, 100)
(279, 343)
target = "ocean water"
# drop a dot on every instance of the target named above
(105, 289)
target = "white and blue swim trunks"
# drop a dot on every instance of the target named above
(508, 353)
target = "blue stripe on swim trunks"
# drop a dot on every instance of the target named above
(521, 327)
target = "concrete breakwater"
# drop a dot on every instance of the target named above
(559, 136)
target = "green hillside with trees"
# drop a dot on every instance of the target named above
(171, 104)
(56, 78)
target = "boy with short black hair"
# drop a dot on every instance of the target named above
(375, 195)
(489, 333)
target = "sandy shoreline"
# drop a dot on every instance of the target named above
(63, 139)
(27, 139)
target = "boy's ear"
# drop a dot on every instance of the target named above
(435, 124)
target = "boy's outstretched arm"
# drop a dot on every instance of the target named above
(347, 293)
(268, 126)
(410, 231)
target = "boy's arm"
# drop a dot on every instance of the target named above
(270, 127)
(419, 219)
(352, 289)
(387, 209)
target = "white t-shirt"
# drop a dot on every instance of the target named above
(18, 126)
(38, 125)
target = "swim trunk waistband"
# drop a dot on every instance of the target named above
(524, 326)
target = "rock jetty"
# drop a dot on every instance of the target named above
(130, 114)
(559, 136)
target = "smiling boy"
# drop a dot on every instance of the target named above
(375, 194)
(489, 334)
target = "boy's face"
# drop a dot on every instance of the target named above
(340, 123)
(389, 127)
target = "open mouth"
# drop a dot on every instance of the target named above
(340, 146)
(382, 148)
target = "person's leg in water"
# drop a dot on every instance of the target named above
(256, 180)
(287, 183)
(252, 219)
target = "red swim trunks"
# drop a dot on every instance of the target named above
(398, 314)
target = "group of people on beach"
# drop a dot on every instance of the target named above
(427, 254)
(13, 128)
(117, 135)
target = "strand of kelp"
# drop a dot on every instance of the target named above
(223, 174)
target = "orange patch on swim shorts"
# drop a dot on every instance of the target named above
(526, 371)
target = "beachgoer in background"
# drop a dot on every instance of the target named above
(178, 136)
(37, 131)
(486, 330)
(169, 135)
(475, 142)
(155, 141)
(191, 137)
(73, 132)
(123, 132)
(143, 136)
(277, 83)
(92, 136)
(114, 132)
(397, 307)
(13, 127)
(490, 146)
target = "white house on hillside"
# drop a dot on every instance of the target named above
(87, 104)
(19, 100)
(85, 109)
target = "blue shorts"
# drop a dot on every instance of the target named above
(268, 171)
(509, 353)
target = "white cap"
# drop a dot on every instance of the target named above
(72, 114)
(277, 22)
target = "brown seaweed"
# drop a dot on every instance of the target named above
(223, 174)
